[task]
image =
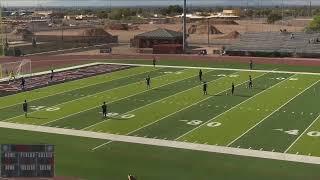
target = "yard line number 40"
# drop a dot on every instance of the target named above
(295, 132)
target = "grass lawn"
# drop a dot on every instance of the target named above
(280, 113)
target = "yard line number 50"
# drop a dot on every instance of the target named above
(198, 122)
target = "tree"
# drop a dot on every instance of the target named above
(314, 25)
(172, 10)
(316, 11)
(122, 13)
(273, 17)
(205, 14)
(102, 14)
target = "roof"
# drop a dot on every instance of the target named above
(161, 34)
(219, 15)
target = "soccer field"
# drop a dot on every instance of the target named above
(280, 114)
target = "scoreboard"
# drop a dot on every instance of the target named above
(27, 160)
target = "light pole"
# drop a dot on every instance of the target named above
(282, 14)
(2, 26)
(184, 26)
(208, 31)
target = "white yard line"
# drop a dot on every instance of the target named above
(224, 69)
(168, 97)
(302, 134)
(273, 112)
(165, 143)
(93, 149)
(231, 109)
(87, 96)
(189, 106)
(61, 92)
(114, 100)
(181, 109)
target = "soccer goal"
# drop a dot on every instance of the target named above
(15, 69)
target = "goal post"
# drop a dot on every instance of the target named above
(17, 69)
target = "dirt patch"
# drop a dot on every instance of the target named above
(121, 27)
(223, 22)
(95, 32)
(203, 29)
(231, 35)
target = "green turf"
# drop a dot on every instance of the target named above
(165, 107)
(118, 108)
(222, 64)
(309, 142)
(83, 90)
(176, 108)
(198, 114)
(65, 87)
(94, 100)
(75, 158)
(280, 130)
(249, 113)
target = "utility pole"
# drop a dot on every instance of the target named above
(310, 10)
(184, 26)
(208, 31)
(282, 14)
(2, 26)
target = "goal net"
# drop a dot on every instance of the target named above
(15, 69)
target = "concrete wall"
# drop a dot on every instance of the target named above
(76, 39)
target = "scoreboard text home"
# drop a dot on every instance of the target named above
(27, 160)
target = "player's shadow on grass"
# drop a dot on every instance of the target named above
(243, 95)
(239, 95)
(260, 88)
(32, 117)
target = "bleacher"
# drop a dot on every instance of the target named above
(277, 42)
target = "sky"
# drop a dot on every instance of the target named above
(153, 2)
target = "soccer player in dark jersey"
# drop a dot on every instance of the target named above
(250, 82)
(200, 75)
(205, 87)
(154, 61)
(232, 88)
(251, 65)
(25, 108)
(104, 109)
(51, 75)
(23, 83)
(148, 81)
